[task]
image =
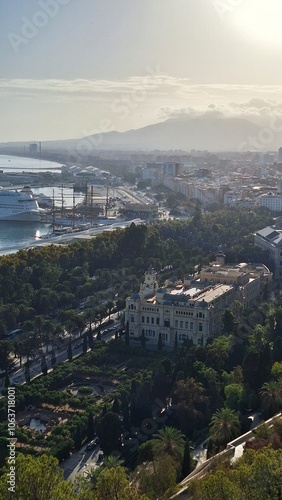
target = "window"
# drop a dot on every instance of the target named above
(186, 325)
(200, 327)
(132, 319)
(147, 319)
(191, 325)
(181, 324)
(166, 323)
(150, 333)
(152, 321)
(176, 323)
(143, 319)
(158, 321)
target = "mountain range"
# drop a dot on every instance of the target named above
(201, 133)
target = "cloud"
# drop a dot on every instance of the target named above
(257, 110)
(153, 83)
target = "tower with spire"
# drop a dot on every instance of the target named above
(150, 285)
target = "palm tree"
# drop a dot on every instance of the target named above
(271, 397)
(169, 440)
(111, 462)
(224, 425)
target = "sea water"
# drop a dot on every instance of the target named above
(19, 234)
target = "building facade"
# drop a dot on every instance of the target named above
(270, 238)
(184, 311)
(192, 309)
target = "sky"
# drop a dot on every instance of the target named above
(71, 68)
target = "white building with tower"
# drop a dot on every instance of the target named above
(183, 310)
(193, 309)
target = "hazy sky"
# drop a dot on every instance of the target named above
(69, 68)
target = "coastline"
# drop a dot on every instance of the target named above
(70, 237)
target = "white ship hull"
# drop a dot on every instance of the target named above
(21, 217)
(19, 206)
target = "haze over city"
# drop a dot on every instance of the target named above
(71, 69)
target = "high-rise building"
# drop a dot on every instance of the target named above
(33, 147)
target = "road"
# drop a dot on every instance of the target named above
(18, 375)
(80, 462)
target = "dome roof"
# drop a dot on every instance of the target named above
(135, 296)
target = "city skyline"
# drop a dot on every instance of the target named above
(69, 70)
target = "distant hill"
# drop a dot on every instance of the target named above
(213, 134)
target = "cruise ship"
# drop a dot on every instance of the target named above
(19, 205)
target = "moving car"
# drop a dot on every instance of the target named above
(93, 444)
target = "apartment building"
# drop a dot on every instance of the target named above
(270, 238)
(250, 280)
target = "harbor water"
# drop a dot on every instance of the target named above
(19, 234)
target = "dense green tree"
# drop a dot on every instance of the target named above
(84, 344)
(125, 413)
(157, 479)
(161, 385)
(271, 397)
(5, 349)
(44, 367)
(191, 404)
(229, 322)
(277, 349)
(169, 441)
(256, 475)
(90, 426)
(69, 351)
(116, 406)
(233, 394)
(224, 425)
(90, 337)
(77, 436)
(145, 452)
(7, 380)
(36, 478)
(109, 431)
(53, 357)
(27, 373)
(186, 461)
(112, 484)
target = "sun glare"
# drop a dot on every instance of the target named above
(260, 19)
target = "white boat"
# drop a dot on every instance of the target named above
(19, 205)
